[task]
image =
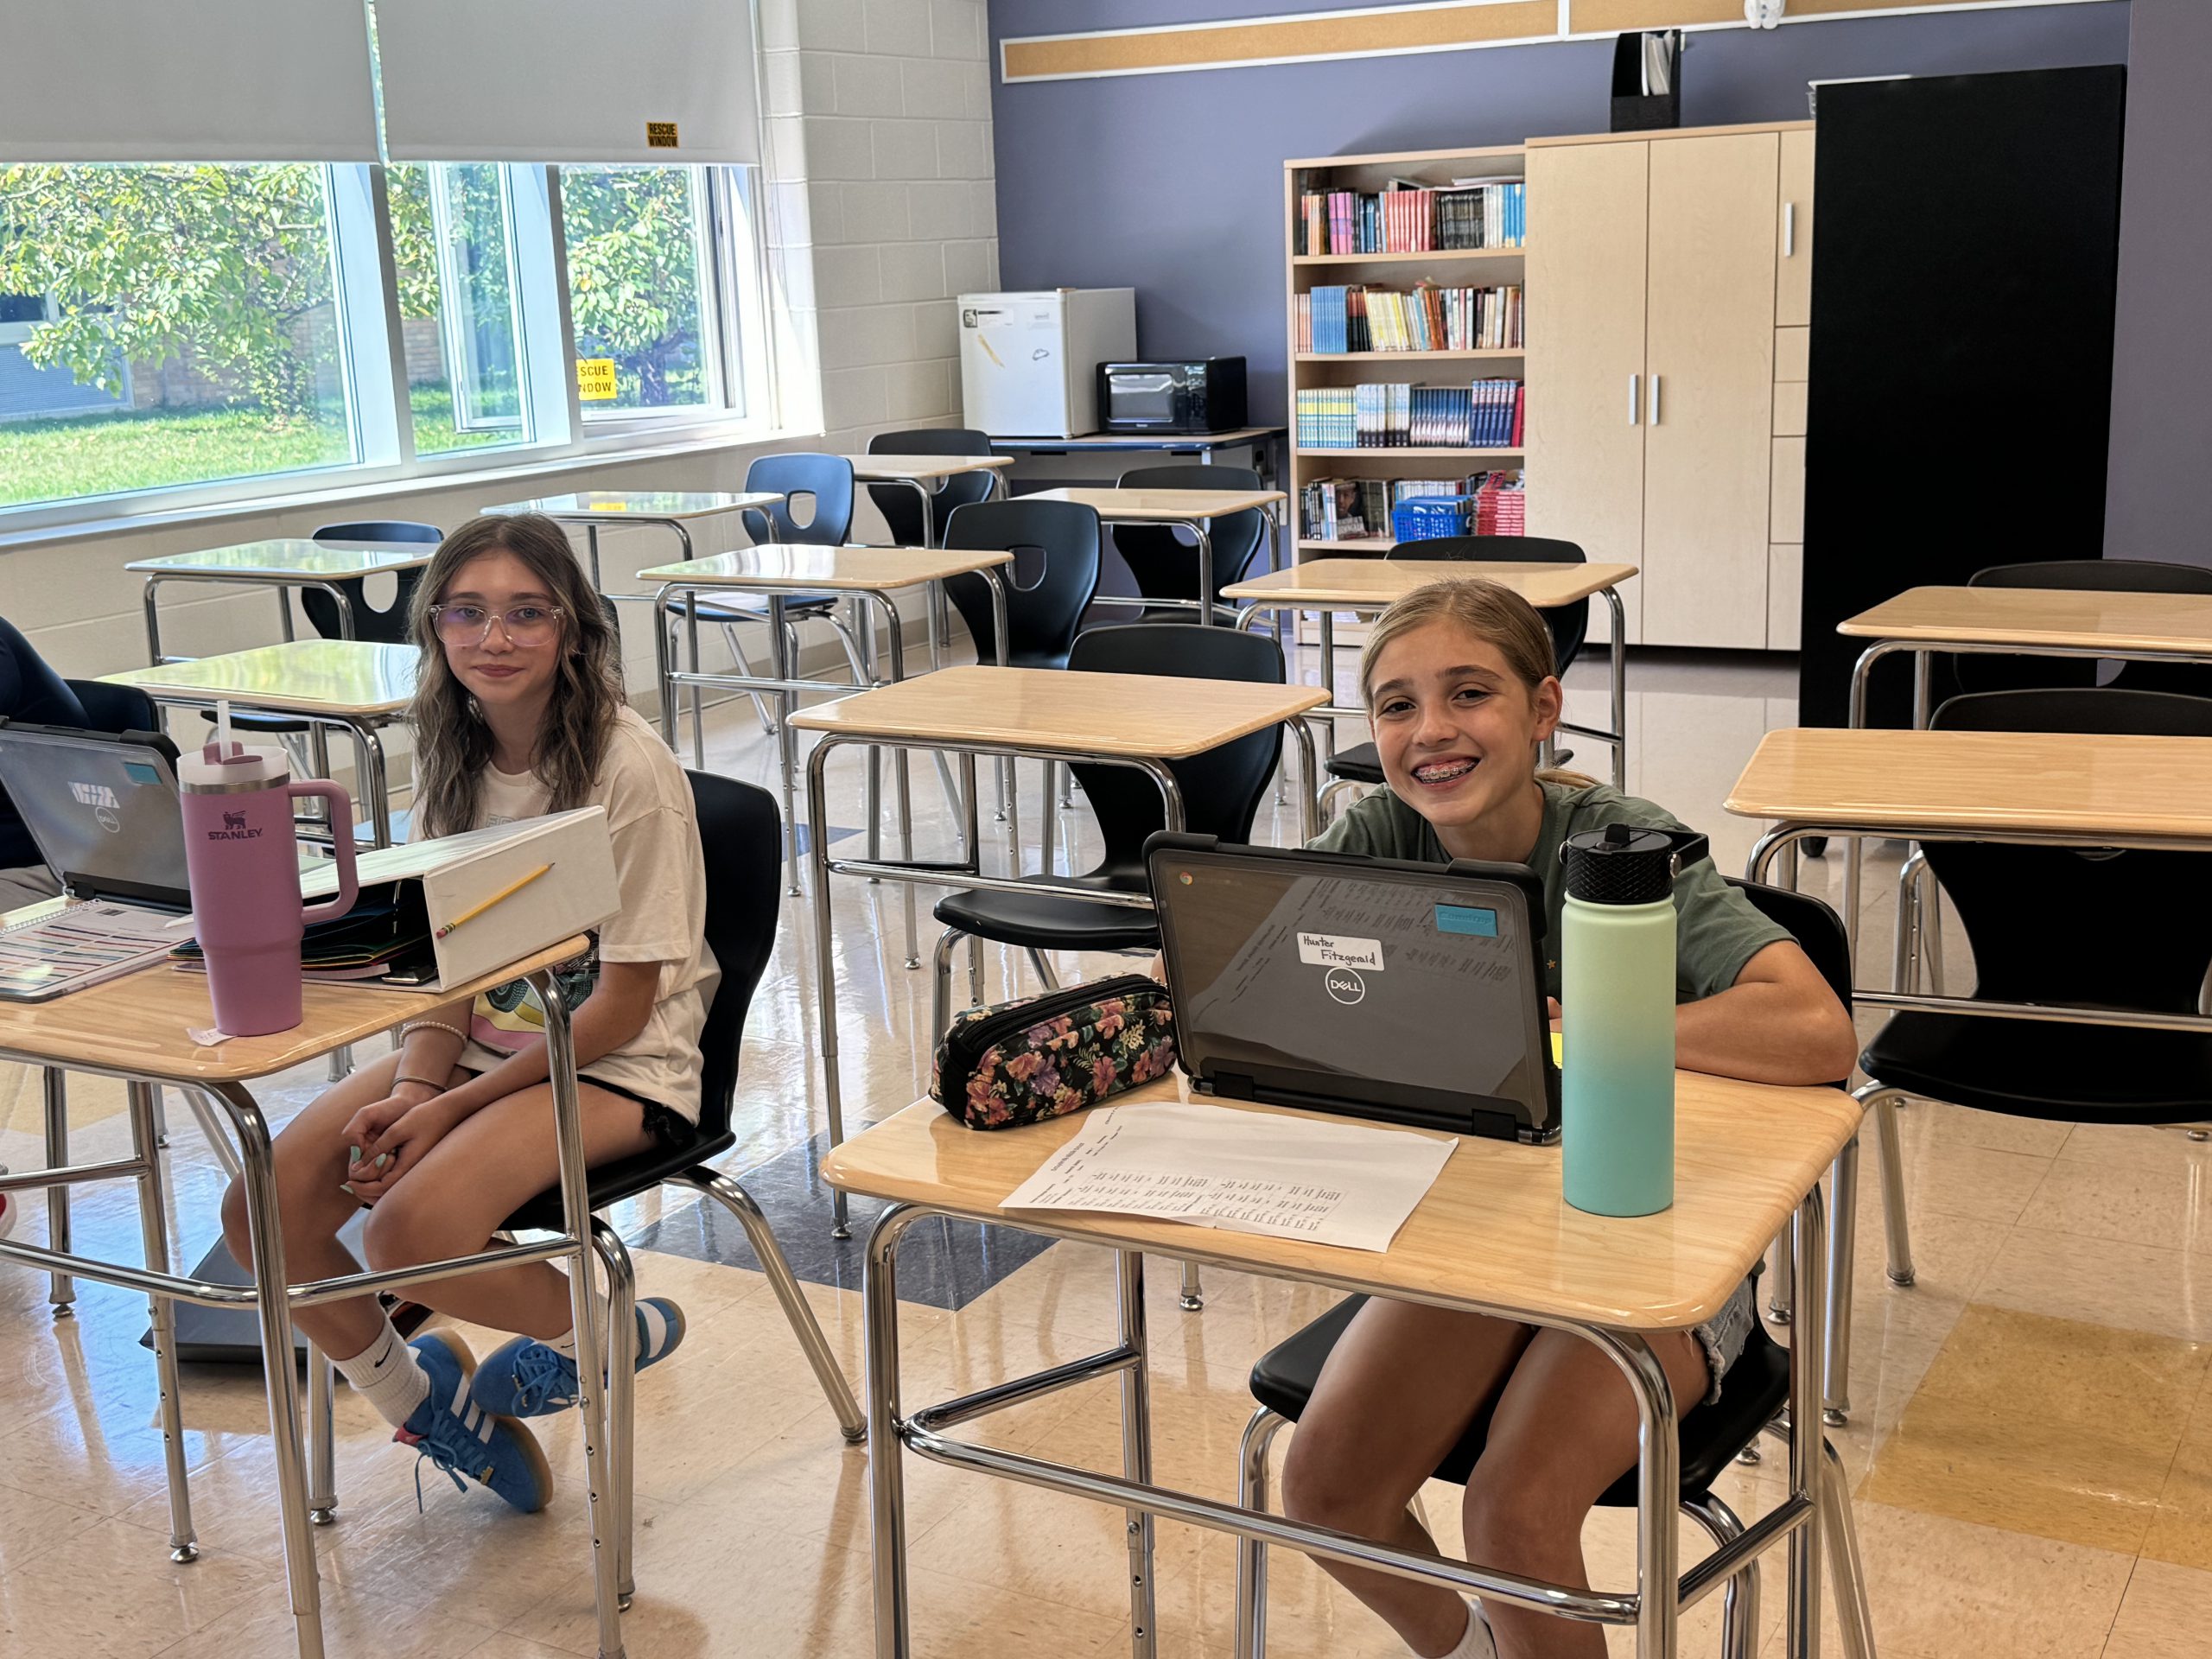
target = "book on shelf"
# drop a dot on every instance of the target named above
(1338, 318)
(1394, 415)
(1409, 217)
(1358, 509)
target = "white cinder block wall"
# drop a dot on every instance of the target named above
(879, 207)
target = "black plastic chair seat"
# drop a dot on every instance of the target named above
(1757, 1387)
(735, 606)
(2066, 1073)
(1051, 921)
(625, 1178)
(246, 719)
(1359, 764)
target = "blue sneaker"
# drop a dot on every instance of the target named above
(462, 1438)
(529, 1378)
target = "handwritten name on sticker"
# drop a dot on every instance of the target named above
(1334, 950)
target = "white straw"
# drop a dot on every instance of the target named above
(222, 726)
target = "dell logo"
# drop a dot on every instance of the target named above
(1345, 985)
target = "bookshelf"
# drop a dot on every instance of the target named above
(1481, 268)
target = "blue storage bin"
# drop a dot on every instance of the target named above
(1425, 518)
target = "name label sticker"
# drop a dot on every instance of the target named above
(1473, 920)
(1331, 951)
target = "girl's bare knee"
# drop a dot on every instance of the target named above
(392, 1237)
(1326, 1479)
(235, 1232)
(1514, 1513)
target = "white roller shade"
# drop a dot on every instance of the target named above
(165, 80)
(568, 80)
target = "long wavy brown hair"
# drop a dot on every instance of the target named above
(452, 745)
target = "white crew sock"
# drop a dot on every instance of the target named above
(387, 1374)
(1477, 1643)
(565, 1344)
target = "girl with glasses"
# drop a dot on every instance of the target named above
(518, 711)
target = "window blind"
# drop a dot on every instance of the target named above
(667, 81)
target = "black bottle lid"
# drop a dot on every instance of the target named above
(1626, 864)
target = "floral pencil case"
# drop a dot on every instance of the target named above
(1046, 1056)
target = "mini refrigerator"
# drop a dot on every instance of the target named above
(1029, 362)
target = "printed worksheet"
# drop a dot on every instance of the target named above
(1213, 1166)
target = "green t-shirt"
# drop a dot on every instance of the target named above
(1717, 930)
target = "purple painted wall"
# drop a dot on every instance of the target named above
(2161, 348)
(1172, 183)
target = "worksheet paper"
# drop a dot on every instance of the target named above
(1249, 1172)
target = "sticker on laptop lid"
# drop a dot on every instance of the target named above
(1334, 950)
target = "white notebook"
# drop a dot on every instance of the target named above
(66, 944)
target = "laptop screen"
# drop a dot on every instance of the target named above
(1388, 990)
(104, 812)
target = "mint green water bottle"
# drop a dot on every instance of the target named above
(1616, 997)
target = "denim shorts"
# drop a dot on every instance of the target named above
(1723, 1336)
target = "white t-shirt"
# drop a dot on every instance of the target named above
(663, 878)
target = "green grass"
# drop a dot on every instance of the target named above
(104, 455)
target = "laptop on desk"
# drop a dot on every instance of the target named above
(1406, 993)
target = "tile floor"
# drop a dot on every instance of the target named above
(2031, 1442)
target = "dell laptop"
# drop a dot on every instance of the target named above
(1410, 993)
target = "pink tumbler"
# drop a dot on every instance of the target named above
(242, 857)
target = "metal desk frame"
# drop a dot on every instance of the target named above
(1617, 664)
(1816, 1507)
(304, 1498)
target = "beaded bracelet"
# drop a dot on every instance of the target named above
(430, 1025)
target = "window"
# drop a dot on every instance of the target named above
(642, 290)
(164, 326)
(459, 319)
(185, 328)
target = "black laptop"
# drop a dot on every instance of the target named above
(1407, 993)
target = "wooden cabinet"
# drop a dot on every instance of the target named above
(1587, 280)
(1793, 281)
(1657, 335)
(1709, 402)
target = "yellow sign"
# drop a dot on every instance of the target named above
(660, 134)
(595, 379)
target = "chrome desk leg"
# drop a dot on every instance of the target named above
(1895, 1224)
(1739, 1617)
(1851, 1613)
(265, 1232)
(902, 782)
(825, 970)
(1617, 658)
(1252, 1554)
(621, 1402)
(153, 1236)
(887, 1477)
(1780, 1274)
(591, 1363)
(322, 1438)
(1843, 1243)
(1205, 574)
(61, 1289)
(1136, 1453)
(1192, 1298)
(1802, 1627)
(1658, 1489)
(787, 740)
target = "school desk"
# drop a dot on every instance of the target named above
(352, 686)
(2014, 622)
(868, 574)
(1138, 720)
(925, 475)
(674, 511)
(1189, 508)
(135, 1028)
(282, 564)
(1369, 587)
(1492, 1235)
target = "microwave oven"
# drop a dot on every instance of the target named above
(1205, 394)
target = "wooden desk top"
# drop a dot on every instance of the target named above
(1494, 1228)
(1374, 583)
(612, 507)
(1896, 782)
(771, 566)
(320, 676)
(1061, 711)
(1234, 438)
(882, 468)
(1161, 507)
(294, 559)
(2040, 616)
(137, 1023)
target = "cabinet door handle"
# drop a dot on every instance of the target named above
(1790, 230)
(1655, 400)
(1635, 397)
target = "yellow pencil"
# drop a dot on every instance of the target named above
(471, 913)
